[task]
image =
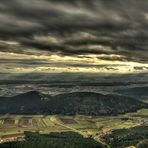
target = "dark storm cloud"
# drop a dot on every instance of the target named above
(120, 25)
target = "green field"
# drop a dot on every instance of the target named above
(88, 126)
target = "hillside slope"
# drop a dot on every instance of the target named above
(86, 103)
(136, 92)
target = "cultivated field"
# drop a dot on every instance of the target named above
(85, 125)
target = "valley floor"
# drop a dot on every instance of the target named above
(12, 127)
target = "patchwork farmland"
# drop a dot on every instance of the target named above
(13, 126)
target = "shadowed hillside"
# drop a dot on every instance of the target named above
(136, 92)
(86, 103)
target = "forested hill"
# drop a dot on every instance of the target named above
(136, 92)
(85, 103)
(53, 140)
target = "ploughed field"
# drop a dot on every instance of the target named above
(97, 127)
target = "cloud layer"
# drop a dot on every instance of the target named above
(114, 30)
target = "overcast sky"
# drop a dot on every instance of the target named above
(73, 35)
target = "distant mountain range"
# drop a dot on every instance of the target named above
(140, 93)
(85, 103)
